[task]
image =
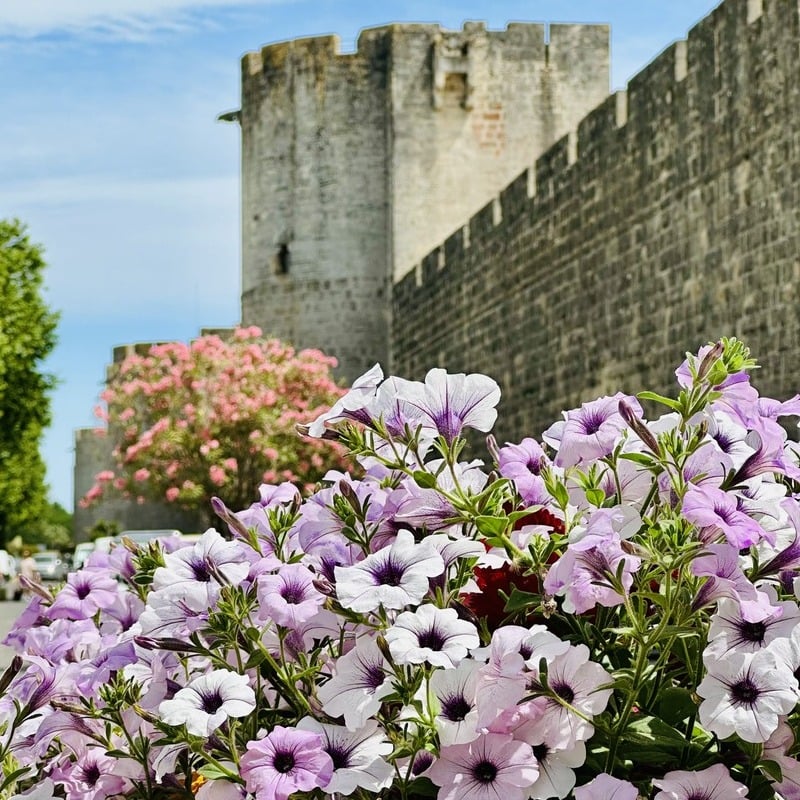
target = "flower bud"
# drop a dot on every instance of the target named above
(638, 427)
(10, 673)
(709, 359)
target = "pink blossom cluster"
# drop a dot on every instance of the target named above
(214, 416)
(647, 646)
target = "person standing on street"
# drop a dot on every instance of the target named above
(27, 569)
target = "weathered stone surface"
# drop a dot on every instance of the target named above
(676, 221)
(356, 165)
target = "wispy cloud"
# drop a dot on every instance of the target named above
(130, 20)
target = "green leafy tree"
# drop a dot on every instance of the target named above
(27, 335)
(53, 529)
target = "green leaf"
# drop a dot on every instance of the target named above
(422, 787)
(521, 601)
(773, 770)
(424, 479)
(491, 526)
(659, 398)
(596, 497)
(256, 658)
(211, 772)
(675, 704)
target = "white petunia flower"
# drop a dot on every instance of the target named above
(358, 756)
(212, 560)
(746, 694)
(44, 790)
(208, 701)
(362, 680)
(453, 695)
(730, 631)
(394, 577)
(431, 634)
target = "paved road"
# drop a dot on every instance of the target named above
(9, 611)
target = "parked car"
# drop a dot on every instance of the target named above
(9, 577)
(144, 536)
(51, 566)
(82, 552)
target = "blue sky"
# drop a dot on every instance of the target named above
(111, 154)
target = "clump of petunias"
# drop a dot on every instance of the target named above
(607, 611)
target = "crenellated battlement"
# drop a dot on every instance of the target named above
(665, 217)
(697, 81)
(354, 165)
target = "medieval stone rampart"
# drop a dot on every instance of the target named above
(355, 165)
(671, 218)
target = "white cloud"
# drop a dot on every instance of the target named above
(125, 19)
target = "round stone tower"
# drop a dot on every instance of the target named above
(356, 165)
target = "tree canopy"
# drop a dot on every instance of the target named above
(214, 417)
(27, 336)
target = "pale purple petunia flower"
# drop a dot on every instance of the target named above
(99, 669)
(606, 787)
(591, 431)
(451, 403)
(208, 701)
(776, 749)
(352, 405)
(523, 463)
(487, 768)
(557, 758)
(714, 783)
(731, 631)
(720, 563)
(83, 595)
(746, 694)
(452, 692)
(394, 577)
(715, 512)
(211, 560)
(287, 760)
(433, 635)
(44, 790)
(581, 683)
(289, 596)
(93, 776)
(583, 573)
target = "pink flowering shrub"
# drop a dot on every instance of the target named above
(215, 417)
(646, 642)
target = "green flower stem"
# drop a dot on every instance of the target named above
(645, 643)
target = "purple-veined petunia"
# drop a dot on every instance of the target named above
(487, 768)
(746, 694)
(715, 512)
(451, 402)
(433, 635)
(591, 431)
(606, 787)
(83, 595)
(583, 573)
(714, 783)
(288, 596)
(730, 631)
(208, 701)
(362, 679)
(394, 577)
(285, 761)
(211, 560)
(359, 757)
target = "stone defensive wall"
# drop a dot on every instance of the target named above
(354, 165)
(671, 217)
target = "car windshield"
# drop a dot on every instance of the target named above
(45, 558)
